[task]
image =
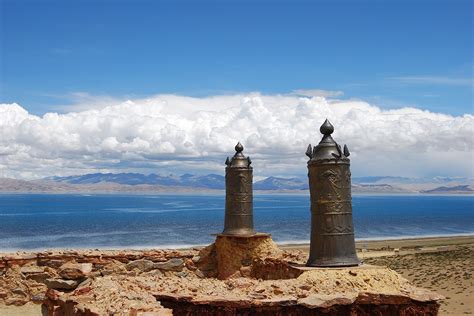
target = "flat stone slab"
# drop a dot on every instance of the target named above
(61, 284)
(363, 266)
(256, 235)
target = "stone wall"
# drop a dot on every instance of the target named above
(230, 277)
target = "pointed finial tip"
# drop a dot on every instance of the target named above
(326, 128)
(309, 151)
(239, 148)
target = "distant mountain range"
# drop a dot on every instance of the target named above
(136, 182)
(210, 181)
(454, 189)
(406, 180)
(274, 183)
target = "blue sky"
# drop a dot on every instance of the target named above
(173, 85)
(388, 53)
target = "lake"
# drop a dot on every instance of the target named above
(45, 221)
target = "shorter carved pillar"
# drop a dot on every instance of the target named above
(239, 196)
(239, 244)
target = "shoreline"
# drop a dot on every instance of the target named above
(394, 247)
(361, 243)
(222, 192)
(400, 242)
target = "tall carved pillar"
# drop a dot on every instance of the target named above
(332, 231)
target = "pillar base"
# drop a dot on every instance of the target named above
(333, 264)
(235, 254)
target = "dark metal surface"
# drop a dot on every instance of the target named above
(332, 232)
(239, 196)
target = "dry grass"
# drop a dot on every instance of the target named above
(449, 273)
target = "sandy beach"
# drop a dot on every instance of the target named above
(442, 264)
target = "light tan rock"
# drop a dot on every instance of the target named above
(61, 284)
(75, 271)
(38, 277)
(325, 301)
(141, 265)
(175, 264)
(31, 269)
(16, 300)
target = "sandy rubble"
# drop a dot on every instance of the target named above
(223, 274)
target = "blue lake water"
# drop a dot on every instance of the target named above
(44, 221)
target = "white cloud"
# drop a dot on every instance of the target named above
(170, 133)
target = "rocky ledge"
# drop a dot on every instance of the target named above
(254, 278)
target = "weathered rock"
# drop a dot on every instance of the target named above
(82, 290)
(61, 284)
(199, 274)
(19, 291)
(259, 289)
(142, 265)
(84, 283)
(32, 272)
(38, 298)
(114, 267)
(19, 258)
(181, 274)
(75, 271)
(38, 277)
(277, 291)
(305, 287)
(175, 264)
(207, 262)
(155, 272)
(324, 301)
(190, 265)
(54, 263)
(28, 270)
(111, 295)
(17, 301)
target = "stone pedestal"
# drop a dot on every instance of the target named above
(235, 254)
(255, 278)
(361, 290)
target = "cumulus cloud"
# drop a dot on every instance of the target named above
(171, 133)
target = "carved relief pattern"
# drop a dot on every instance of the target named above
(331, 199)
(332, 231)
(335, 225)
(239, 197)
